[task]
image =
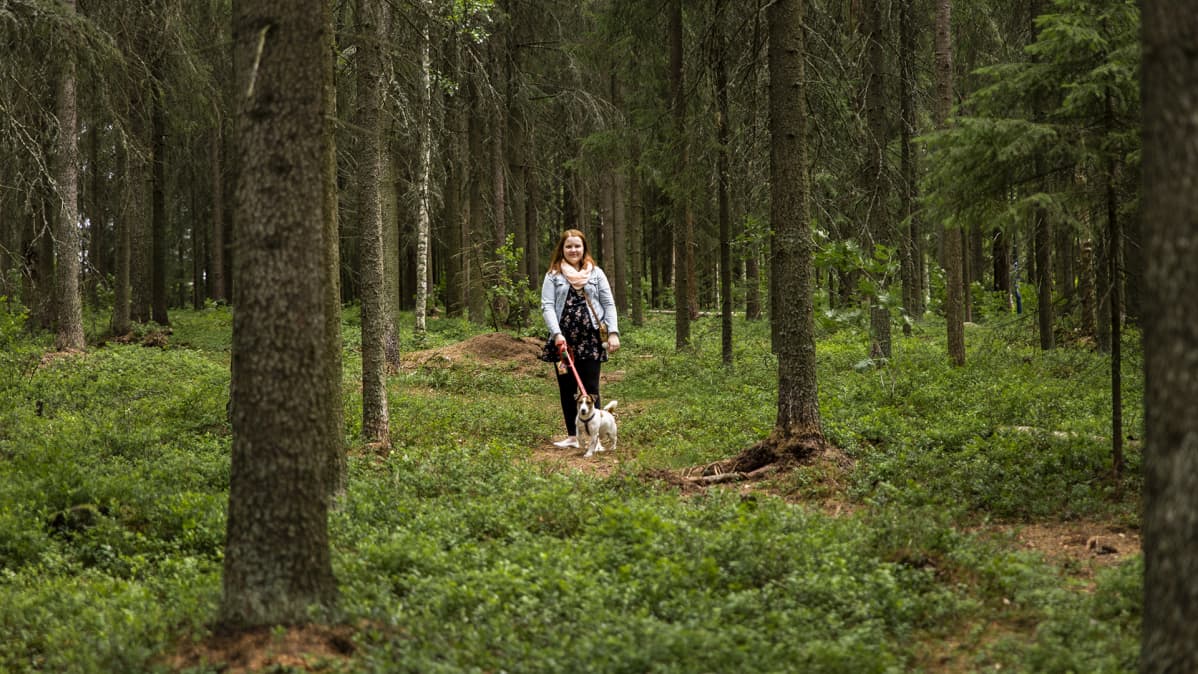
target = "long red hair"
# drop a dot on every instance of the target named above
(559, 251)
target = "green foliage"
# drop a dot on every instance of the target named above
(461, 554)
(1069, 109)
(510, 302)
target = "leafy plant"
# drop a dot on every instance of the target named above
(510, 301)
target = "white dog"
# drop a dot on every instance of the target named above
(595, 427)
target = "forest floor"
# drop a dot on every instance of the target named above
(1080, 548)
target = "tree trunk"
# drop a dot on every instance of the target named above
(121, 321)
(474, 236)
(199, 244)
(1063, 267)
(501, 82)
(954, 254)
(1116, 237)
(798, 428)
(723, 136)
(216, 246)
(910, 247)
(532, 203)
(681, 210)
(753, 303)
(1043, 235)
(1133, 269)
(1000, 255)
(395, 265)
(1170, 237)
(277, 563)
(158, 224)
(69, 333)
(456, 177)
(636, 236)
(97, 205)
(619, 235)
(138, 185)
(1089, 300)
(424, 172)
(605, 249)
(371, 16)
(336, 468)
(877, 180)
(43, 278)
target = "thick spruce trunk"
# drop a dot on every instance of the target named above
(1170, 238)
(277, 564)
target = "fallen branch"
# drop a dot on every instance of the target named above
(735, 476)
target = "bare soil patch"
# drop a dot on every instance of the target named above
(307, 648)
(555, 459)
(490, 349)
(1084, 546)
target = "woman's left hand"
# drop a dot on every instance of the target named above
(613, 342)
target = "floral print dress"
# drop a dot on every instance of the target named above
(580, 334)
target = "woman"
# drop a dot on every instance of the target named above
(575, 299)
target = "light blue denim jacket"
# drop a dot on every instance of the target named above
(553, 300)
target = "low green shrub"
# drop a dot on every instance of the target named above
(456, 551)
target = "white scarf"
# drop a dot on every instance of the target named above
(576, 278)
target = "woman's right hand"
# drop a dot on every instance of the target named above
(561, 343)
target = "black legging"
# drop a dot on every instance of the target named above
(588, 371)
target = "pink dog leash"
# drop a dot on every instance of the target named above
(565, 351)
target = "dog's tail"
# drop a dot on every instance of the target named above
(610, 406)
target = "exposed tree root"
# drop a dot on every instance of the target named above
(772, 455)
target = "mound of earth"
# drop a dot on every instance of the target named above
(493, 348)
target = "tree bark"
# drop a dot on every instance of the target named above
(681, 210)
(1089, 300)
(141, 254)
(723, 136)
(158, 224)
(217, 237)
(954, 254)
(1044, 308)
(636, 237)
(277, 563)
(1170, 238)
(424, 171)
(69, 331)
(474, 236)
(371, 16)
(456, 177)
(798, 426)
(336, 468)
(1114, 227)
(911, 245)
(877, 181)
(121, 321)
